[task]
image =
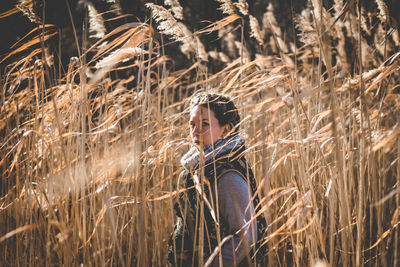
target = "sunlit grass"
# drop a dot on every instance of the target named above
(90, 162)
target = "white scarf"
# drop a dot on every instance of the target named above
(211, 152)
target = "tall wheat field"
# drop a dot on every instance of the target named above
(89, 152)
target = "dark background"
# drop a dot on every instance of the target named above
(196, 13)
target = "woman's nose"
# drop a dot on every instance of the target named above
(196, 130)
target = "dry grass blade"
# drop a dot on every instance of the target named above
(27, 228)
(395, 222)
(9, 12)
(24, 4)
(349, 5)
(132, 29)
(90, 157)
(285, 228)
(386, 72)
(38, 28)
(215, 26)
(20, 230)
(35, 40)
(386, 141)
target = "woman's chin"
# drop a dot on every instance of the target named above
(197, 144)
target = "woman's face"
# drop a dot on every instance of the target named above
(204, 126)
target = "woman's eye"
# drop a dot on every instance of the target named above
(204, 124)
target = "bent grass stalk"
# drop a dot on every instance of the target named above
(90, 164)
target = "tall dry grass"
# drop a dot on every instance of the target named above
(90, 161)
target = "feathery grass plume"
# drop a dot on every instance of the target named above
(200, 49)
(118, 56)
(219, 56)
(187, 43)
(176, 8)
(307, 32)
(96, 23)
(344, 18)
(363, 22)
(326, 19)
(341, 37)
(227, 7)
(396, 38)
(122, 49)
(339, 13)
(270, 25)
(88, 178)
(228, 40)
(167, 23)
(383, 11)
(105, 65)
(338, 7)
(116, 6)
(48, 57)
(255, 30)
(26, 7)
(178, 31)
(379, 36)
(192, 44)
(242, 50)
(243, 7)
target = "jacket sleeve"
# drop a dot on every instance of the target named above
(234, 198)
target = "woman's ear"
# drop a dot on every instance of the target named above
(227, 129)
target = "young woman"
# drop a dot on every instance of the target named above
(216, 221)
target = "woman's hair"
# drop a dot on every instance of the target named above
(224, 109)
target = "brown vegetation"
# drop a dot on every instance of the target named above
(90, 160)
